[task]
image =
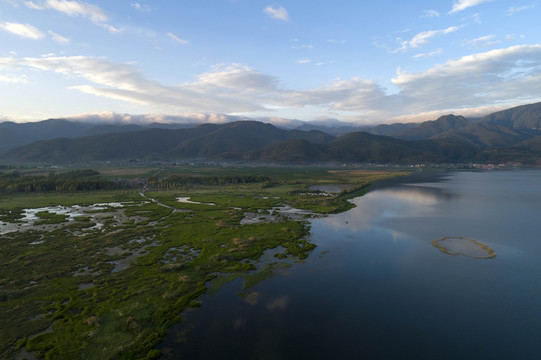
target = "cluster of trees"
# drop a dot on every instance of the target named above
(73, 181)
(180, 182)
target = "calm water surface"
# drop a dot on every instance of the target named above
(376, 288)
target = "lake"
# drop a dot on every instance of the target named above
(377, 288)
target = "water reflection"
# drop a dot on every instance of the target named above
(376, 287)
(279, 303)
(379, 205)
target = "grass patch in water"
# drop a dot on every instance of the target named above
(46, 217)
(459, 245)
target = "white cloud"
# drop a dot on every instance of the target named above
(430, 14)
(487, 79)
(33, 5)
(238, 77)
(8, 62)
(180, 118)
(23, 30)
(511, 37)
(423, 37)
(304, 61)
(13, 79)
(76, 8)
(72, 8)
(112, 29)
(141, 8)
(278, 303)
(483, 41)
(233, 88)
(177, 39)
(514, 9)
(356, 94)
(58, 38)
(277, 12)
(429, 54)
(460, 5)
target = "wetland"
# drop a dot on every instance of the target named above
(106, 273)
(302, 263)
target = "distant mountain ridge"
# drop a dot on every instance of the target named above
(509, 135)
(203, 141)
(500, 129)
(429, 129)
(14, 134)
(17, 134)
(525, 116)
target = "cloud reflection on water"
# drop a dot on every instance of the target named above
(279, 303)
(383, 204)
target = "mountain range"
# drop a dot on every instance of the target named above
(510, 135)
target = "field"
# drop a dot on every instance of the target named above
(104, 274)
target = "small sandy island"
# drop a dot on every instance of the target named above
(458, 245)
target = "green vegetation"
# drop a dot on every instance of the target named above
(12, 203)
(73, 181)
(50, 218)
(110, 284)
(180, 182)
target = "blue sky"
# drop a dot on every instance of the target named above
(362, 61)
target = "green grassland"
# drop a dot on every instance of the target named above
(109, 284)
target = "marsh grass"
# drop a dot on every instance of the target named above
(46, 217)
(471, 248)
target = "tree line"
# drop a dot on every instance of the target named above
(173, 182)
(72, 181)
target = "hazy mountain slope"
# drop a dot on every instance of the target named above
(111, 128)
(171, 126)
(241, 137)
(315, 136)
(532, 144)
(17, 134)
(382, 149)
(13, 134)
(204, 141)
(365, 147)
(291, 151)
(500, 129)
(486, 134)
(390, 129)
(126, 145)
(525, 116)
(336, 130)
(428, 129)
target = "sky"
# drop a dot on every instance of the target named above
(360, 61)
